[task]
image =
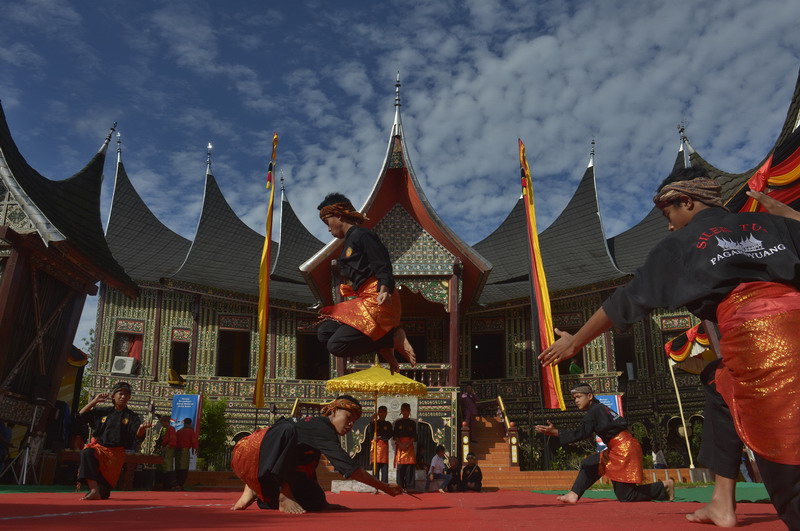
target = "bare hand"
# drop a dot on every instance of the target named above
(100, 398)
(146, 426)
(563, 349)
(547, 430)
(393, 490)
(773, 206)
(384, 297)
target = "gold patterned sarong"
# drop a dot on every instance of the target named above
(759, 376)
(382, 451)
(363, 311)
(245, 460)
(109, 459)
(622, 460)
(404, 451)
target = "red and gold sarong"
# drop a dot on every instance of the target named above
(759, 376)
(110, 460)
(622, 460)
(245, 460)
(404, 452)
(363, 312)
(382, 452)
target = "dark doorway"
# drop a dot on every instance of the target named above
(233, 353)
(488, 356)
(625, 357)
(179, 358)
(313, 360)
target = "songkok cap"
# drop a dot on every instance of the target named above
(121, 386)
(583, 388)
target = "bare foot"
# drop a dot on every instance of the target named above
(388, 356)
(569, 497)
(288, 505)
(245, 500)
(669, 485)
(92, 495)
(442, 491)
(402, 346)
(711, 514)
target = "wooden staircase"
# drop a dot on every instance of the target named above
(493, 454)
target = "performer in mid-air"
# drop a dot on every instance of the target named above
(370, 320)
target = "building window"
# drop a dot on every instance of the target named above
(126, 346)
(179, 357)
(233, 353)
(488, 356)
(313, 360)
(625, 357)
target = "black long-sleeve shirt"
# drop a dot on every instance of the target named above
(112, 427)
(385, 430)
(405, 428)
(363, 256)
(698, 265)
(600, 420)
(317, 435)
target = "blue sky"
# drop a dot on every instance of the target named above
(476, 76)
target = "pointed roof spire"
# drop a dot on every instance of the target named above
(397, 125)
(283, 188)
(686, 148)
(208, 159)
(107, 141)
(591, 154)
(119, 147)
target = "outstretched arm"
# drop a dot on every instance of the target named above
(773, 206)
(360, 475)
(567, 345)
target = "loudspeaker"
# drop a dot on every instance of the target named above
(123, 365)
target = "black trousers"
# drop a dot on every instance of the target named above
(89, 468)
(383, 472)
(344, 341)
(625, 492)
(406, 476)
(721, 451)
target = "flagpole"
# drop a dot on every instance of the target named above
(680, 408)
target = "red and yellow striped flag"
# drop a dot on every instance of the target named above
(263, 286)
(551, 382)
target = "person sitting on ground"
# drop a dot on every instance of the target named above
(621, 462)
(471, 475)
(437, 470)
(278, 464)
(115, 429)
(454, 471)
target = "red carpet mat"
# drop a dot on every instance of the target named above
(490, 510)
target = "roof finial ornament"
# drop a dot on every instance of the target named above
(208, 159)
(682, 131)
(282, 186)
(108, 138)
(397, 90)
(591, 153)
(686, 148)
(119, 146)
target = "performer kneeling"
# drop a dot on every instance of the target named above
(278, 464)
(370, 320)
(115, 429)
(621, 462)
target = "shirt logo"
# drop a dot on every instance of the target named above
(348, 252)
(748, 246)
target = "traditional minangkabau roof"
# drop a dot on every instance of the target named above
(398, 197)
(225, 252)
(66, 213)
(300, 244)
(144, 246)
(573, 247)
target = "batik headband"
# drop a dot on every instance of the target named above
(343, 402)
(702, 189)
(345, 210)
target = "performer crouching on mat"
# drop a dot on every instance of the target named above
(278, 464)
(115, 429)
(621, 462)
(370, 320)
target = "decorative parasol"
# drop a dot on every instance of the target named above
(378, 381)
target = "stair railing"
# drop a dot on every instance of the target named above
(512, 434)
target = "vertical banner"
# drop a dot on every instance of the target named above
(263, 285)
(540, 295)
(187, 407)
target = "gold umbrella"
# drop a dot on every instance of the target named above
(378, 381)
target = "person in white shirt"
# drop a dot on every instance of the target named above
(437, 470)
